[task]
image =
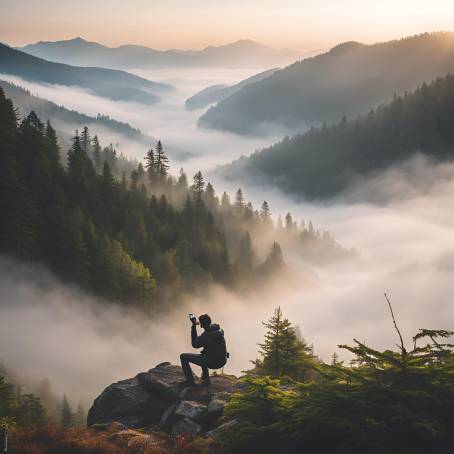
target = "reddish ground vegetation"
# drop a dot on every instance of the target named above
(58, 440)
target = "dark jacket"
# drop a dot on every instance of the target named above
(213, 342)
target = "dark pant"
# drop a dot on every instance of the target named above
(194, 358)
(202, 361)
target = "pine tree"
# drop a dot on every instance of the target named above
(199, 184)
(107, 177)
(283, 353)
(66, 414)
(210, 198)
(96, 147)
(265, 212)
(150, 164)
(85, 141)
(162, 162)
(54, 148)
(311, 229)
(249, 212)
(273, 346)
(288, 222)
(225, 202)
(239, 204)
(246, 256)
(80, 418)
(182, 182)
(274, 260)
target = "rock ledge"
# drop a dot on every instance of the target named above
(158, 401)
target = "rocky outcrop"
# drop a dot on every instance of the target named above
(158, 400)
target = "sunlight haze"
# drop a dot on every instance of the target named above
(304, 24)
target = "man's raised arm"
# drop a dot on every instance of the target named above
(195, 339)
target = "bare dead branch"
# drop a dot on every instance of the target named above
(404, 352)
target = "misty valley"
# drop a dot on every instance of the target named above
(295, 203)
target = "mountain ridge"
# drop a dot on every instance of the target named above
(25, 102)
(323, 162)
(349, 79)
(240, 53)
(114, 84)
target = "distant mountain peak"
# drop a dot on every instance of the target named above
(240, 43)
(346, 47)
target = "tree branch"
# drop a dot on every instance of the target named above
(404, 352)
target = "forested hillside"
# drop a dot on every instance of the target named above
(322, 162)
(348, 80)
(109, 83)
(143, 238)
(25, 102)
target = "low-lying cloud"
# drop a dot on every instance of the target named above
(48, 329)
(405, 244)
(187, 145)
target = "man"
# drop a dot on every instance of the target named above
(214, 354)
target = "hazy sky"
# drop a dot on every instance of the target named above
(304, 24)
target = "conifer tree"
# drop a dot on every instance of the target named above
(182, 182)
(162, 162)
(85, 141)
(239, 204)
(249, 212)
(246, 256)
(96, 147)
(288, 222)
(225, 202)
(107, 177)
(80, 418)
(54, 148)
(283, 353)
(150, 164)
(274, 260)
(199, 184)
(66, 414)
(265, 212)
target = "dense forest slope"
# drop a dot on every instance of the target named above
(322, 161)
(216, 93)
(25, 102)
(113, 84)
(143, 238)
(240, 54)
(348, 80)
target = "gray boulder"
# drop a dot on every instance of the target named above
(128, 403)
(223, 428)
(165, 379)
(159, 399)
(186, 426)
(191, 409)
(169, 418)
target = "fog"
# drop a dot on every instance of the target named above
(400, 221)
(48, 329)
(187, 145)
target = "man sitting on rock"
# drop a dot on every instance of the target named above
(214, 354)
